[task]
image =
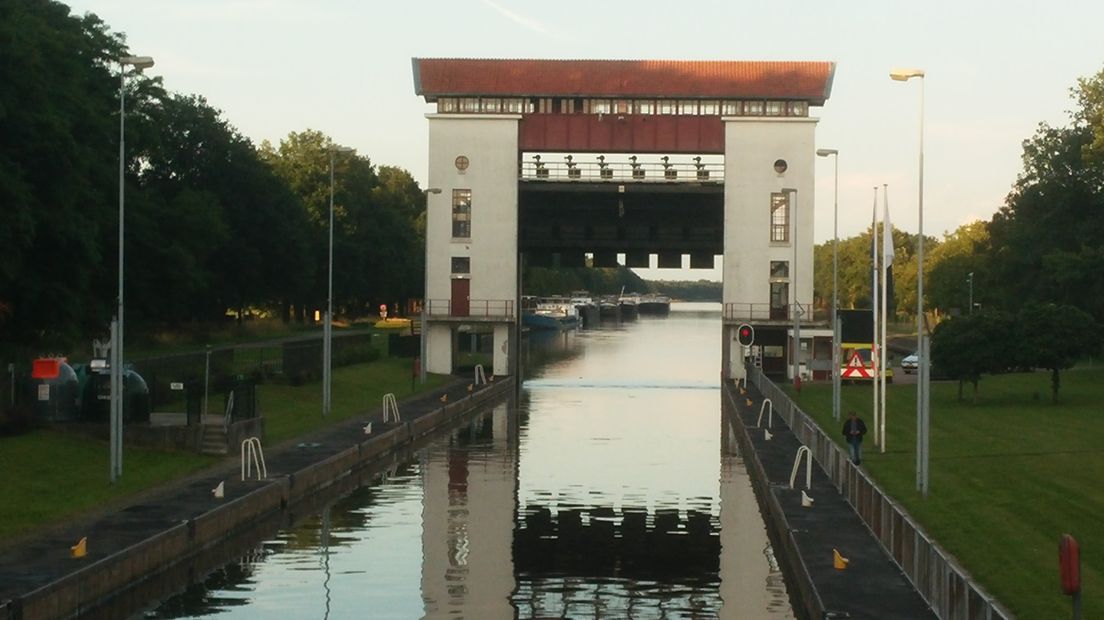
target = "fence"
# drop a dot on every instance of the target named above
(945, 585)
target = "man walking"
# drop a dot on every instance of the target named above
(853, 430)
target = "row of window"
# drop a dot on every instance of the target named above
(564, 105)
(779, 216)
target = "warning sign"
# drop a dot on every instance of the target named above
(855, 368)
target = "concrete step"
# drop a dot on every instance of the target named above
(214, 440)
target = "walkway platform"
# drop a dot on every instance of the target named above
(872, 586)
(39, 579)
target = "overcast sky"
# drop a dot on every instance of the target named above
(994, 71)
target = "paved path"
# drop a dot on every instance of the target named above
(872, 586)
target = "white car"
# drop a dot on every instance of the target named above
(909, 363)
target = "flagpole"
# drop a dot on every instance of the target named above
(887, 253)
(874, 311)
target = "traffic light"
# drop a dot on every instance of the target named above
(745, 334)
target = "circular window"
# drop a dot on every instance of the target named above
(780, 166)
(462, 163)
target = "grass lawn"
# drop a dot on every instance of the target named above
(291, 411)
(1008, 476)
(49, 476)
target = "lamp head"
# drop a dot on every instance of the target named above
(337, 148)
(826, 152)
(432, 190)
(138, 62)
(903, 75)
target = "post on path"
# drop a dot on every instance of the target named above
(415, 372)
(1069, 568)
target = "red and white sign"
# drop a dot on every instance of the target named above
(855, 368)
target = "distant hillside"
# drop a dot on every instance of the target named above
(701, 290)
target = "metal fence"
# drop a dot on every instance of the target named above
(941, 581)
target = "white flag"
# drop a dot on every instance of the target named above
(887, 234)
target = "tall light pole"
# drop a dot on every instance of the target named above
(835, 282)
(139, 63)
(970, 280)
(923, 383)
(327, 325)
(791, 207)
(422, 338)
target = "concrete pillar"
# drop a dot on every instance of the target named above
(502, 349)
(439, 349)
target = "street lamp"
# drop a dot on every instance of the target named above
(139, 63)
(791, 206)
(425, 293)
(970, 281)
(835, 282)
(923, 382)
(327, 325)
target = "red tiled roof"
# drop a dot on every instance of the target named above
(690, 79)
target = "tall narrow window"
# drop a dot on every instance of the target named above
(461, 213)
(780, 217)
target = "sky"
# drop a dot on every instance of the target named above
(994, 71)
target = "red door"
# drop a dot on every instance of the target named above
(461, 295)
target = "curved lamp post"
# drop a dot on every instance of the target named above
(835, 282)
(922, 367)
(425, 293)
(139, 63)
(327, 326)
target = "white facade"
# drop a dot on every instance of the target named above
(488, 145)
(752, 146)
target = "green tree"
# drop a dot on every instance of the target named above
(961, 253)
(1048, 238)
(1054, 337)
(968, 346)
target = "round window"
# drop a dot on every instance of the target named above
(780, 166)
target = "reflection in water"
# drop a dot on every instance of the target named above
(600, 495)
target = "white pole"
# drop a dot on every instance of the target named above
(923, 386)
(327, 325)
(874, 312)
(885, 286)
(117, 332)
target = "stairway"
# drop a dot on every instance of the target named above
(213, 440)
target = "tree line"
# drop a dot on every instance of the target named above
(1022, 290)
(215, 225)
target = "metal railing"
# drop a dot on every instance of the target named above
(477, 308)
(621, 172)
(935, 574)
(765, 312)
(390, 408)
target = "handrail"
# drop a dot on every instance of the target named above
(477, 308)
(252, 448)
(229, 410)
(769, 406)
(808, 467)
(390, 406)
(480, 376)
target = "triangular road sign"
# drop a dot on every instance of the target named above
(855, 367)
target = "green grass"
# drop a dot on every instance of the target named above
(291, 411)
(51, 476)
(1008, 476)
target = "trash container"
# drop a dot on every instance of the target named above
(55, 387)
(96, 399)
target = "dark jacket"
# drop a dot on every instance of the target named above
(847, 428)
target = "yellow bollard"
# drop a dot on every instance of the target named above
(838, 561)
(444, 398)
(750, 402)
(80, 549)
(469, 388)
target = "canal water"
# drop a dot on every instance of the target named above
(612, 490)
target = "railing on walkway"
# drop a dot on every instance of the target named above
(945, 585)
(390, 408)
(628, 171)
(765, 312)
(502, 309)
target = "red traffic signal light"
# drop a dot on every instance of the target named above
(745, 334)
